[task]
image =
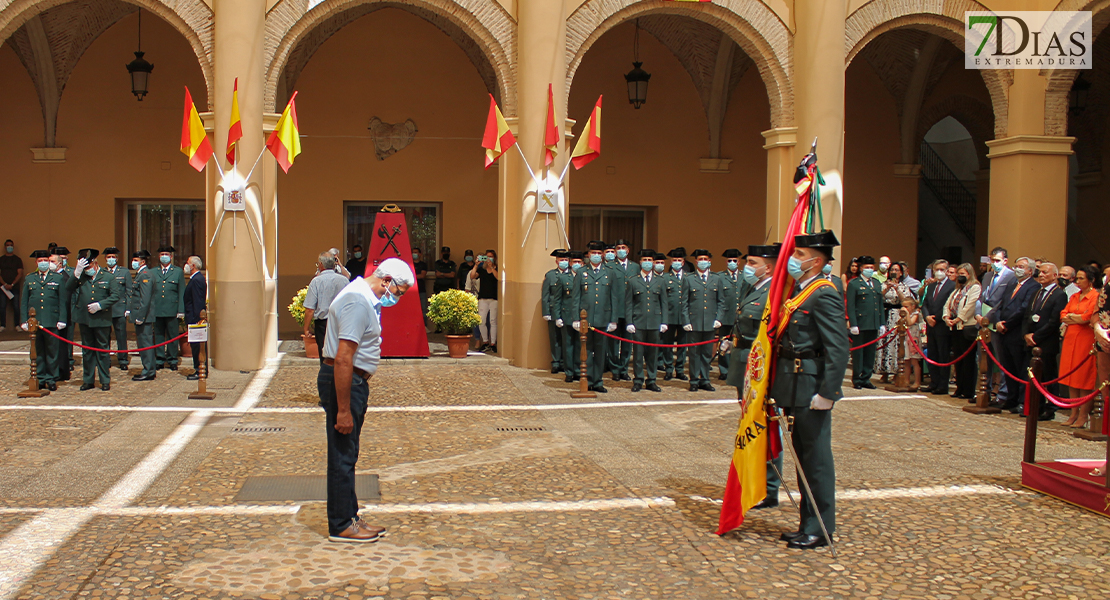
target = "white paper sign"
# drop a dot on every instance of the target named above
(198, 333)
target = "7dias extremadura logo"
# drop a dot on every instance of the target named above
(1028, 40)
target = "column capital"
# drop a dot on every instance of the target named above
(1030, 144)
(907, 171)
(780, 137)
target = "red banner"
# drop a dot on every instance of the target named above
(403, 333)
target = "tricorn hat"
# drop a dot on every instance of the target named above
(557, 251)
(771, 251)
(143, 254)
(731, 253)
(596, 245)
(677, 253)
(61, 250)
(824, 241)
(111, 250)
(40, 254)
(647, 253)
(702, 252)
(89, 254)
(660, 256)
(621, 242)
(865, 260)
(165, 249)
(575, 254)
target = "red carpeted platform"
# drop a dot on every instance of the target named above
(1070, 481)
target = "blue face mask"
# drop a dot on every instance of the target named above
(610, 256)
(622, 254)
(867, 273)
(563, 264)
(733, 265)
(10, 249)
(415, 257)
(997, 266)
(659, 267)
(388, 299)
(90, 272)
(165, 259)
(595, 259)
(676, 265)
(111, 262)
(469, 259)
(358, 255)
(826, 269)
(576, 266)
(44, 266)
(796, 267)
(135, 265)
(703, 265)
(647, 265)
(749, 275)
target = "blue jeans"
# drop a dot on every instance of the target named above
(342, 449)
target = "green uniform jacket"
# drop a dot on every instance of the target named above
(625, 271)
(748, 320)
(837, 282)
(598, 294)
(141, 301)
(732, 296)
(47, 296)
(169, 291)
(702, 303)
(566, 309)
(550, 298)
(817, 327)
(865, 304)
(674, 297)
(101, 288)
(646, 303)
(67, 274)
(123, 278)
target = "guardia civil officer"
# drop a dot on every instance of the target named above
(645, 306)
(674, 359)
(620, 351)
(760, 265)
(119, 320)
(169, 306)
(140, 310)
(60, 258)
(95, 292)
(43, 291)
(809, 369)
(568, 313)
(702, 305)
(865, 319)
(731, 280)
(550, 301)
(596, 290)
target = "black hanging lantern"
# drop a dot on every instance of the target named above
(637, 78)
(1077, 98)
(139, 68)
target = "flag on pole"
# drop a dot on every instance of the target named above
(550, 131)
(589, 141)
(497, 139)
(194, 140)
(235, 131)
(285, 142)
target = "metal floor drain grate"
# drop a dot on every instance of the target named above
(516, 429)
(258, 430)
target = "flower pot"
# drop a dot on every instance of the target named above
(186, 349)
(457, 345)
(311, 349)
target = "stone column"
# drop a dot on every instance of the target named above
(819, 95)
(781, 162)
(522, 335)
(983, 212)
(240, 308)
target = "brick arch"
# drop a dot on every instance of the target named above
(483, 29)
(975, 116)
(1058, 82)
(944, 19)
(191, 18)
(752, 25)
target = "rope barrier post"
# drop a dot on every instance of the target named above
(33, 390)
(983, 398)
(202, 392)
(1033, 407)
(584, 390)
(901, 379)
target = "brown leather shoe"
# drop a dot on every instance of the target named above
(357, 533)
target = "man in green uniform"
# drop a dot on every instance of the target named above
(119, 321)
(760, 265)
(550, 301)
(646, 306)
(674, 359)
(837, 282)
(60, 258)
(809, 369)
(567, 314)
(169, 306)
(731, 280)
(865, 321)
(140, 310)
(595, 289)
(620, 352)
(95, 293)
(702, 305)
(43, 291)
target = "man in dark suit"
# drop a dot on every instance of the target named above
(999, 285)
(1007, 319)
(938, 335)
(196, 300)
(1041, 327)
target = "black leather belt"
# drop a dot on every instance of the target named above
(357, 371)
(790, 354)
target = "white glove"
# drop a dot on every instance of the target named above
(716, 324)
(138, 322)
(725, 345)
(180, 315)
(558, 322)
(854, 330)
(23, 327)
(882, 329)
(127, 313)
(80, 267)
(94, 308)
(61, 325)
(547, 317)
(663, 328)
(577, 325)
(687, 327)
(820, 403)
(611, 328)
(630, 329)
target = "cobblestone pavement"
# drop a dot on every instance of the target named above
(496, 484)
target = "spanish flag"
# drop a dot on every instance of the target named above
(285, 142)
(550, 131)
(497, 139)
(235, 132)
(589, 141)
(194, 141)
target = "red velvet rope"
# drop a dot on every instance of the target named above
(935, 363)
(875, 341)
(617, 337)
(165, 343)
(1064, 402)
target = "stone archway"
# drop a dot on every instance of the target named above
(975, 116)
(752, 25)
(1059, 81)
(483, 29)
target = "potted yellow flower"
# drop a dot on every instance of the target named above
(296, 308)
(456, 313)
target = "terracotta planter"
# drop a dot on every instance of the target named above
(311, 348)
(457, 345)
(186, 349)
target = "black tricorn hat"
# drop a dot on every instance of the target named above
(610, 246)
(647, 253)
(557, 251)
(40, 254)
(165, 249)
(771, 251)
(89, 254)
(824, 241)
(731, 253)
(61, 250)
(677, 253)
(143, 254)
(111, 250)
(560, 253)
(621, 242)
(865, 260)
(660, 256)
(575, 254)
(702, 252)
(596, 245)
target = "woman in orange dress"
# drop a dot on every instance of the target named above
(1079, 338)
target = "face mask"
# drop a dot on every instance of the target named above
(703, 265)
(111, 262)
(10, 249)
(660, 267)
(647, 265)
(415, 257)
(867, 273)
(1020, 272)
(610, 256)
(44, 266)
(796, 267)
(733, 265)
(677, 265)
(188, 270)
(749, 275)
(622, 254)
(358, 255)
(576, 266)
(165, 259)
(563, 264)
(826, 269)
(962, 279)
(469, 259)
(883, 267)
(997, 266)
(135, 265)
(56, 267)
(90, 271)
(388, 299)
(1062, 282)
(595, 259)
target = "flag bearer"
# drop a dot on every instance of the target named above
(595, 289)
(702, 305)
(43, 291)
(646, 316)
(550, 300)
(95, 293)
(732, 281)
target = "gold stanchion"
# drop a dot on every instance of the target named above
(901, 379)
(202, 392)
(584, 390)
(983, 398)
(33, 390)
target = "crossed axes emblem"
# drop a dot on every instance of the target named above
(388, 237)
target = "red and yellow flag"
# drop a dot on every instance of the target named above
(194, 141)
(285, 142)
(589, 141)
(235, 132)
(497, 139)
(550, 131)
